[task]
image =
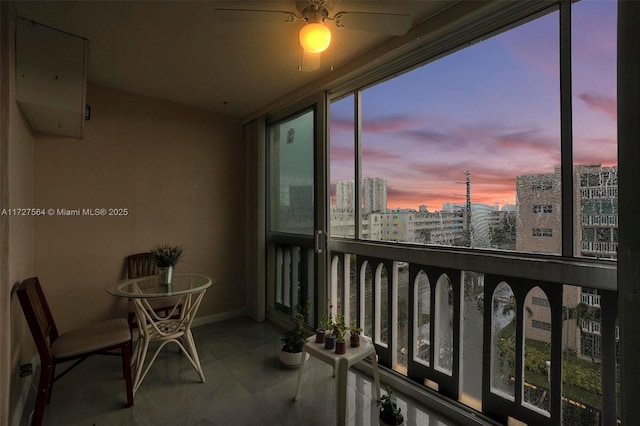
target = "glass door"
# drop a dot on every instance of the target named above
(296, 218)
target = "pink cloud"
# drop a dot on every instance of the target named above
(605, 104)
(341, 153)
(373, 155)
(529, 140)
(386, 124)
(341, 124)
(591, 151)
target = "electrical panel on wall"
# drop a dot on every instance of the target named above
(51, 76)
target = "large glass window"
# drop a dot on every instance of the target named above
(595, 141)
(291, 175)
(445, 147)
(466, 150)
(342, 160)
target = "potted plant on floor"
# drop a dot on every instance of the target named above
(166, 256)
(293, 340)
(390, 413)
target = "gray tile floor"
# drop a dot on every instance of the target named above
(245, 385)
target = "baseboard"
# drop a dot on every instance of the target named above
(209, 319)
(23, 410)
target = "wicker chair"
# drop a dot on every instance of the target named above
(105, 337)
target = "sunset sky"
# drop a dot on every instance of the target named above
(492, 108)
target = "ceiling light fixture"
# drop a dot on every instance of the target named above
(314, 36)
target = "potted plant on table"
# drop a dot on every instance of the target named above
(390, 413)
(326, 323)
(354, 335)
(293, 340)
(167, 256)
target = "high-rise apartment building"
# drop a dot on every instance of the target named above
(538, 224)
(345, 196)
(596, 210)
(374, 195)
(595, 235)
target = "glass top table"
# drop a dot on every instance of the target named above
(186, 292)
(151, 286)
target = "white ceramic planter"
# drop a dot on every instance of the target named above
(291, 360)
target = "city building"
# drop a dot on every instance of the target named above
(345, 197)
(596, 225)
(446, 228)
(538, 221)
(596, 211)
(374, 195)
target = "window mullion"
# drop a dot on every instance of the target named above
(566, 131)
(357, 115)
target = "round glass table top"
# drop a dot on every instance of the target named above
(149, 287)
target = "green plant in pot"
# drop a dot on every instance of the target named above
(326, 323)
(293, 340)
(390, 413)
(340, 330)
(354, 335)
(167, 256)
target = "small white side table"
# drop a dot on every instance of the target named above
(341, 364)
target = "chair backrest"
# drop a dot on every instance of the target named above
(38, 315)
(141, 265)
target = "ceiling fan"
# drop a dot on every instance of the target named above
(314, 35)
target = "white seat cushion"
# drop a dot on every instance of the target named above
(91, 338)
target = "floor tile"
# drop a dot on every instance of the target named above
(245, 384)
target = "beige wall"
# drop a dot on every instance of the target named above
(18, 231)
(180, 173)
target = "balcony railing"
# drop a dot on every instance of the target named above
(465, 324)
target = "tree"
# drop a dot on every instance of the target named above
(503, 235)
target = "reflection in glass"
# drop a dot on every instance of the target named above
(352, 314)
(536, 392)
(291, 169)
(581, 356)
(402, 332)
(366, 277)
(422, 318)
(382, 308)
(337, 284)
(286, 282)
(471, 342)
(443, 339)
(279, 279)
(503, 341)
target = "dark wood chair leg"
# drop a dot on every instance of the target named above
(43, 397)
(126, 370)
(50, 388)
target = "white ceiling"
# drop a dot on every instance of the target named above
(177, 50)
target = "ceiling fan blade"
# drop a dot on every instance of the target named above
(310, 61)
(254, 15)
(387, 23)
